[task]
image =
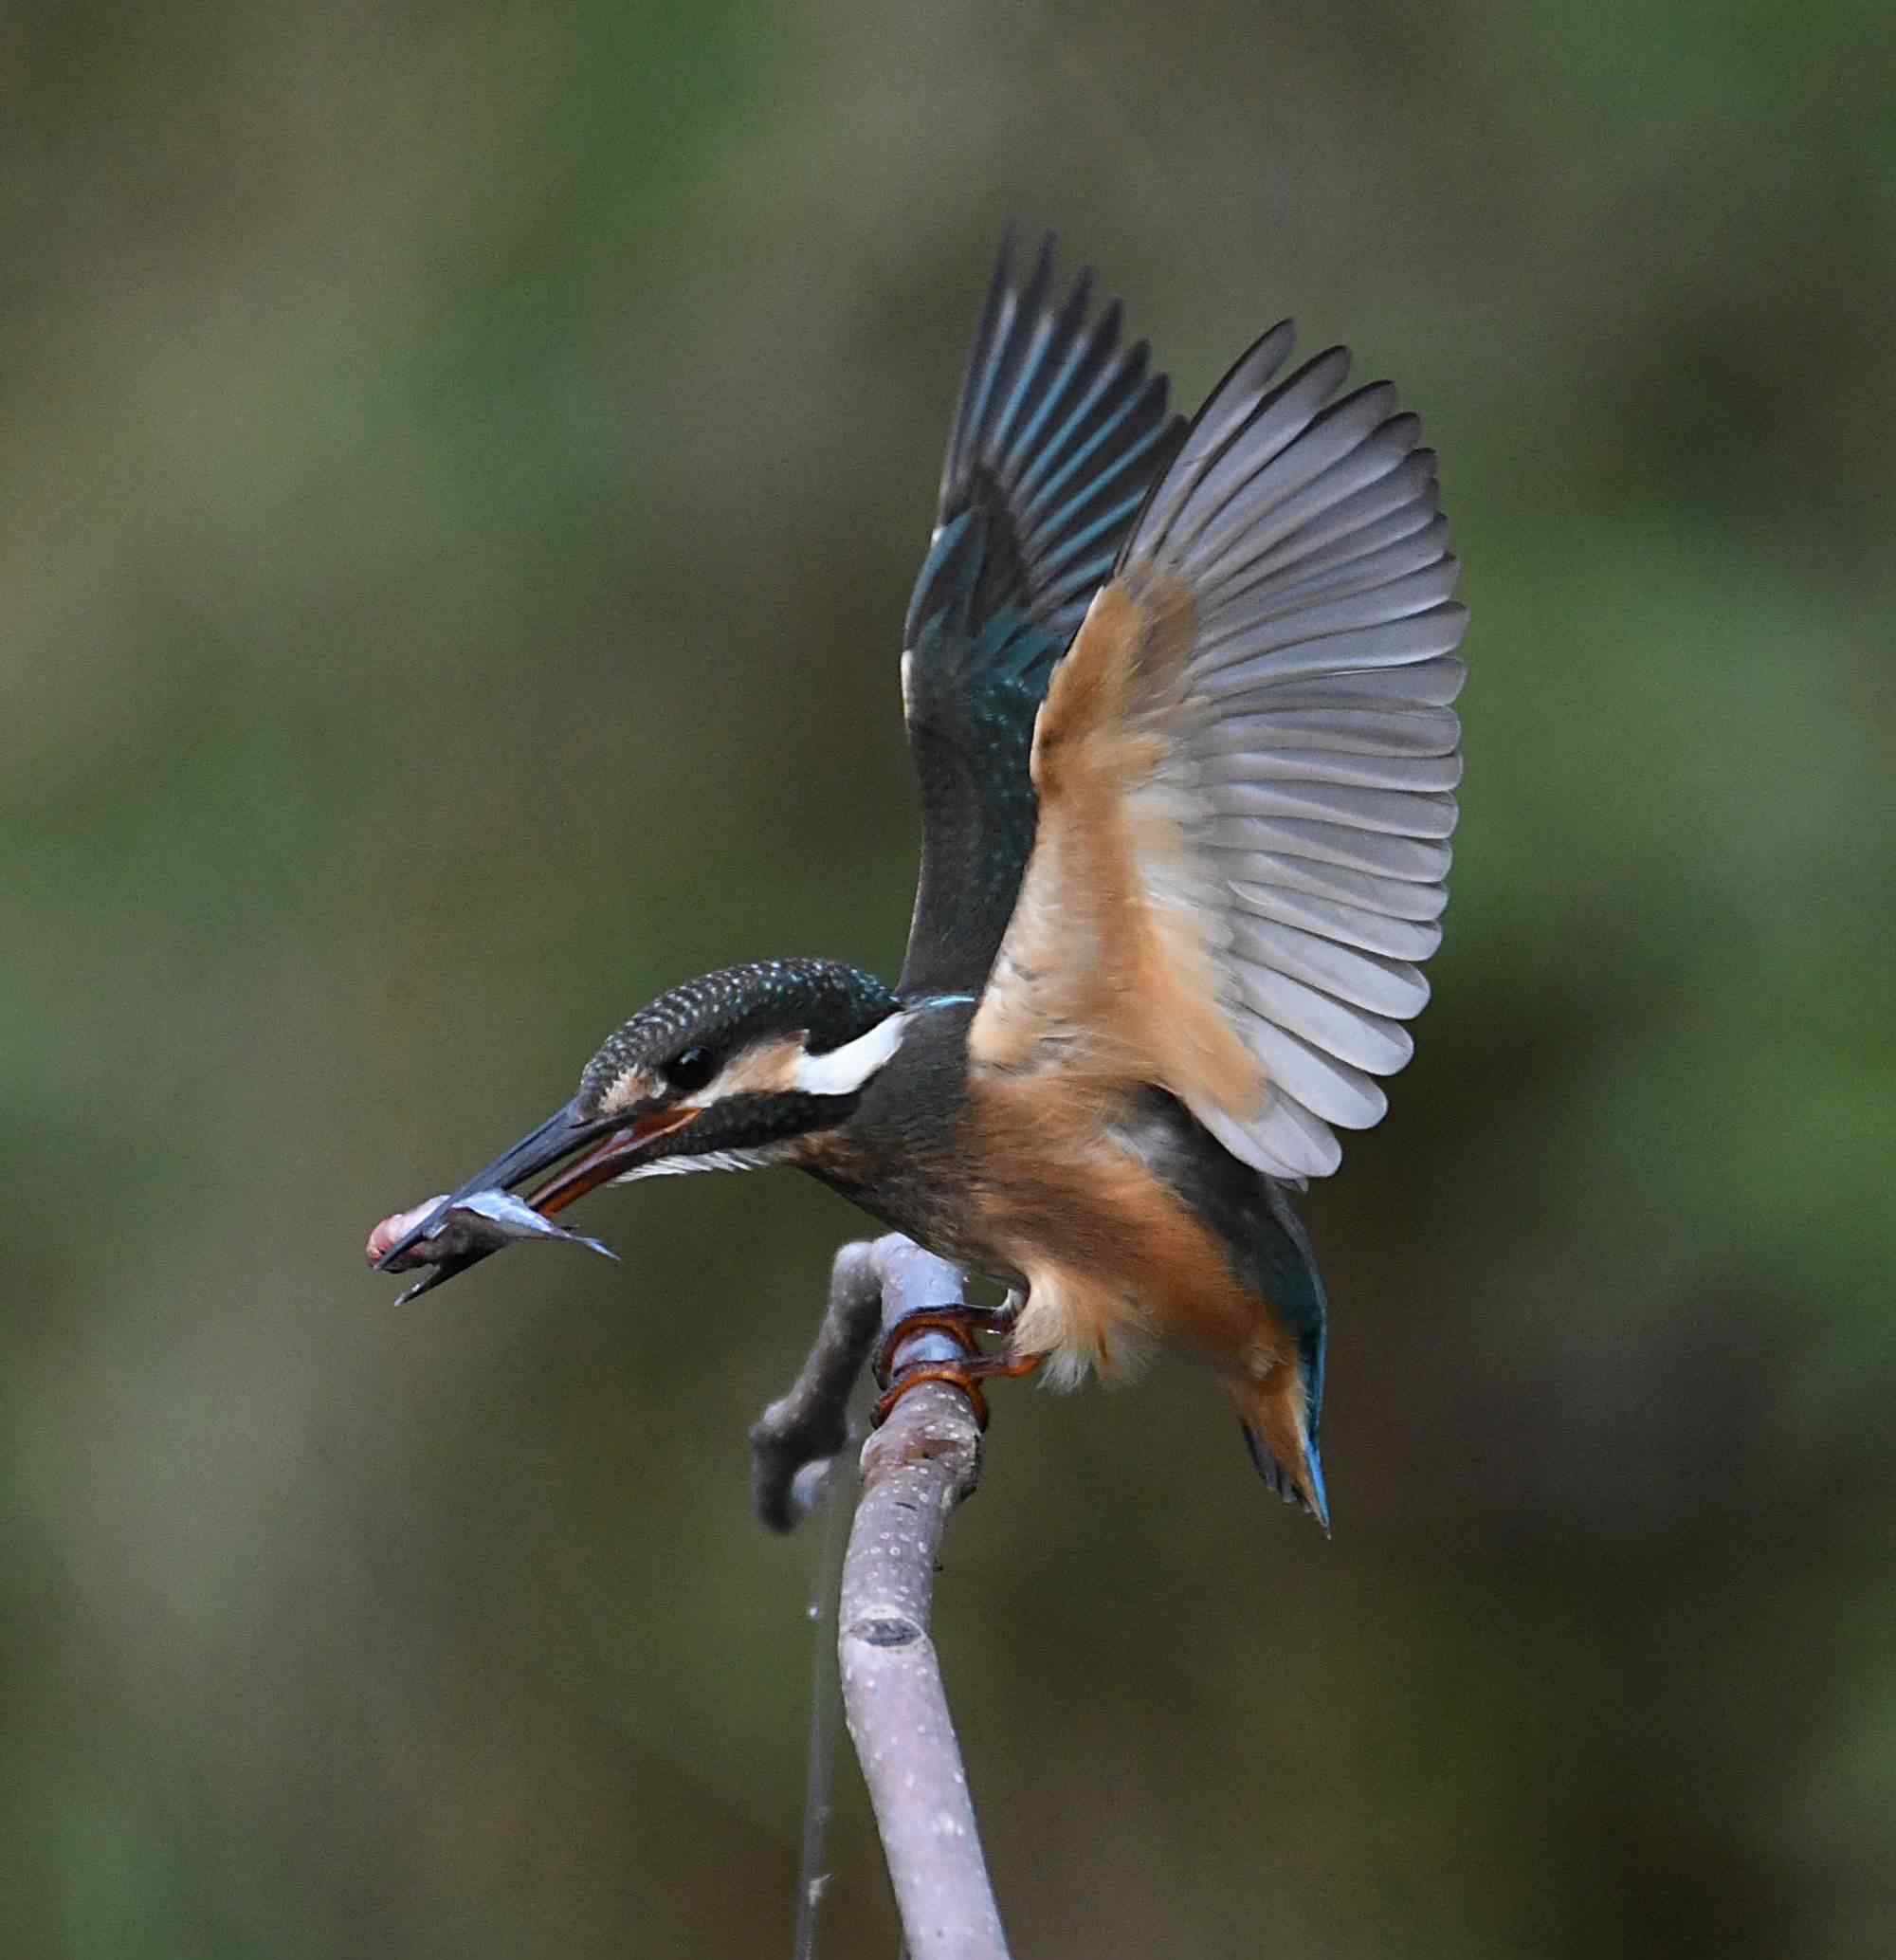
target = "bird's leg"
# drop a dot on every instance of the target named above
(965, 1375)
(959, 1323)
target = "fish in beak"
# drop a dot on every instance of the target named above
(462, 1227)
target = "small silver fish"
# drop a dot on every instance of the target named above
(461, 1235)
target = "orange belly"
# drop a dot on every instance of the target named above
(1114, 1259)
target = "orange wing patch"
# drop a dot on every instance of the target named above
(1109, 966)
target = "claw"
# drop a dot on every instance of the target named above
(960, 1324)
(967, 1373)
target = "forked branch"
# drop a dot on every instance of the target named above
(916, 1469)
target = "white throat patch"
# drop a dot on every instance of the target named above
(709, 1159)
(844, 1071)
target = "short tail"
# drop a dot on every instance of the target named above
(1280, 1433)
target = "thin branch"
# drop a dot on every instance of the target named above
(797, 1448)
(837, 1501)
(792, 1441)
(922, 1462)
(916, 1469)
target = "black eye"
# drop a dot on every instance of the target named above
(691, 1069)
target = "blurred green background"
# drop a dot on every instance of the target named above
(463, 468)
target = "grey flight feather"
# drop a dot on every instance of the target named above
(1320, 743)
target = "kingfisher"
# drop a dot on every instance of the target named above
(1179, 699)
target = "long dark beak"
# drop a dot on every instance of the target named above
(605, 1143)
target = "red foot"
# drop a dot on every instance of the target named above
(959, 1323)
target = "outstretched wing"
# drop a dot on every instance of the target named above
(1244, 768)
(1058, 437)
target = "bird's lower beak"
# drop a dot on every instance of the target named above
(602, 1146)
(606, 1159)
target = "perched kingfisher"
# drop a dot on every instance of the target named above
(1179, 702)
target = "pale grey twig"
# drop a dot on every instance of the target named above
(836, 1499)
(795, 1445)
(916, 1469)
(922, 1462)
(792, 1441)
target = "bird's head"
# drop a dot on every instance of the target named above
(731, 1071)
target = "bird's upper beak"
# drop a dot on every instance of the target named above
(455, 1232)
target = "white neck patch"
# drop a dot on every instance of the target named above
(843, 1070)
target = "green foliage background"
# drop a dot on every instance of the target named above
(463, 468)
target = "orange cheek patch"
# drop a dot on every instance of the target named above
(768, 1067)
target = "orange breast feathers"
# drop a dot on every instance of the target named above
(1115, 1262)
(1114, 1259)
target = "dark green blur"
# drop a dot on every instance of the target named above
(464, 468)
